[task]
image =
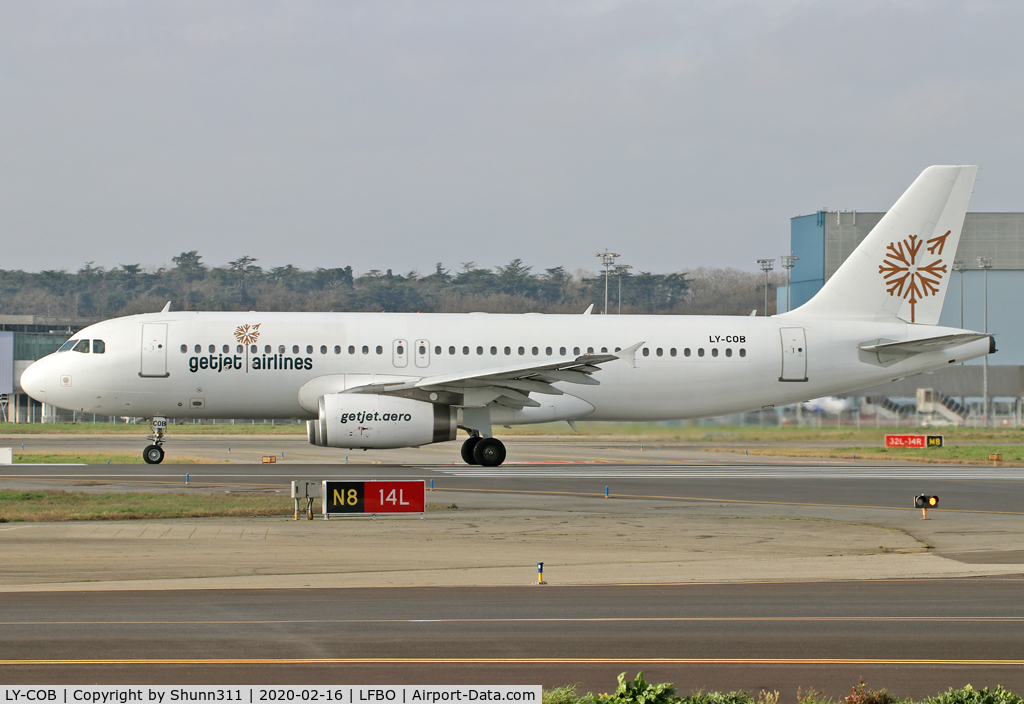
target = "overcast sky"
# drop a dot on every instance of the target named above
(399, 134)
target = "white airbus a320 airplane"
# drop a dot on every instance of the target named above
(386, 380)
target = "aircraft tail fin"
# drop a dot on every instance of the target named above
(902, 268)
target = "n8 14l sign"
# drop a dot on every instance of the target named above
(374, 497)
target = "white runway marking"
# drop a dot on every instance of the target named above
(747, 472)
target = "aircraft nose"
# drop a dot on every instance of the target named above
(33, 381)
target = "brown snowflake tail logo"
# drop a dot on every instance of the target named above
(247, 335)
(906, 277)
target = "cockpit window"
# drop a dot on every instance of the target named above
(67, 345)
(98, 347)
(82, 346)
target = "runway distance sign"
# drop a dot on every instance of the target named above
(374, 497)
(913, 441)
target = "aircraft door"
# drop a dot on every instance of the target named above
(422, 353)
(400, 353)
(154, 350)
(794, 354)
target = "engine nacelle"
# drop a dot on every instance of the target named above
(379, 422)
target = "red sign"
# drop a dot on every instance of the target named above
(394, 497)
(904, 440)
(913, 441)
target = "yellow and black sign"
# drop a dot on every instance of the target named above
(344, 497)
(934, 441)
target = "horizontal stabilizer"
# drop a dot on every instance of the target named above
(927, 344)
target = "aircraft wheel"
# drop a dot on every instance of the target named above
(489, 452)
(467, 449)
(154, 454)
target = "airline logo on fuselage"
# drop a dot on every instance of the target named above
(909, 278)
(247, 335)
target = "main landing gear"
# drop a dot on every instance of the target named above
(486, 452)
(154, 454)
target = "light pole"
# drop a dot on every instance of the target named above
(788, 262)
(985, 263)
(960, 265)
(621, 269)
(607, 259)
(766, 266)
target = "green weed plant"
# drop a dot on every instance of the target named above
(639, 691)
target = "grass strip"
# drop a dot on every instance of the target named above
(676, 432)
(55, 505)
(1013, 455)
(29, 457)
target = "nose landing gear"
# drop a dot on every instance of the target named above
(154, 454)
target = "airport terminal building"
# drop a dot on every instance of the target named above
(824, 240)
(24, 339)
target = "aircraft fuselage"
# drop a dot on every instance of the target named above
(252, 365)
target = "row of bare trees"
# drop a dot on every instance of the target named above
(244, 285)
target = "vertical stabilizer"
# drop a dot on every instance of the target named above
(902, 268)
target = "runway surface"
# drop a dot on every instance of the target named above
(913, 636)
(860, 485)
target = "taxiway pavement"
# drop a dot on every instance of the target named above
(916, 637)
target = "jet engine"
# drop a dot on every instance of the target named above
(372, 421)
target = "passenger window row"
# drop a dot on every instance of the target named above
(480, 350)
(687, 352)
(83, 346)
(507, 351)
(98, 348)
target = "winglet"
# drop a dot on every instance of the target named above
(589, 310)
(628, 355)
(166, 308)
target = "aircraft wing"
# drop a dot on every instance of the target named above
(928, 344)
(508, 385)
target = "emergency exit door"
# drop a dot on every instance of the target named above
(422, 353)
(154, 350)
(794, 354)
(400, 353)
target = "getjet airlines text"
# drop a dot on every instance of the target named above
(375, 694)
